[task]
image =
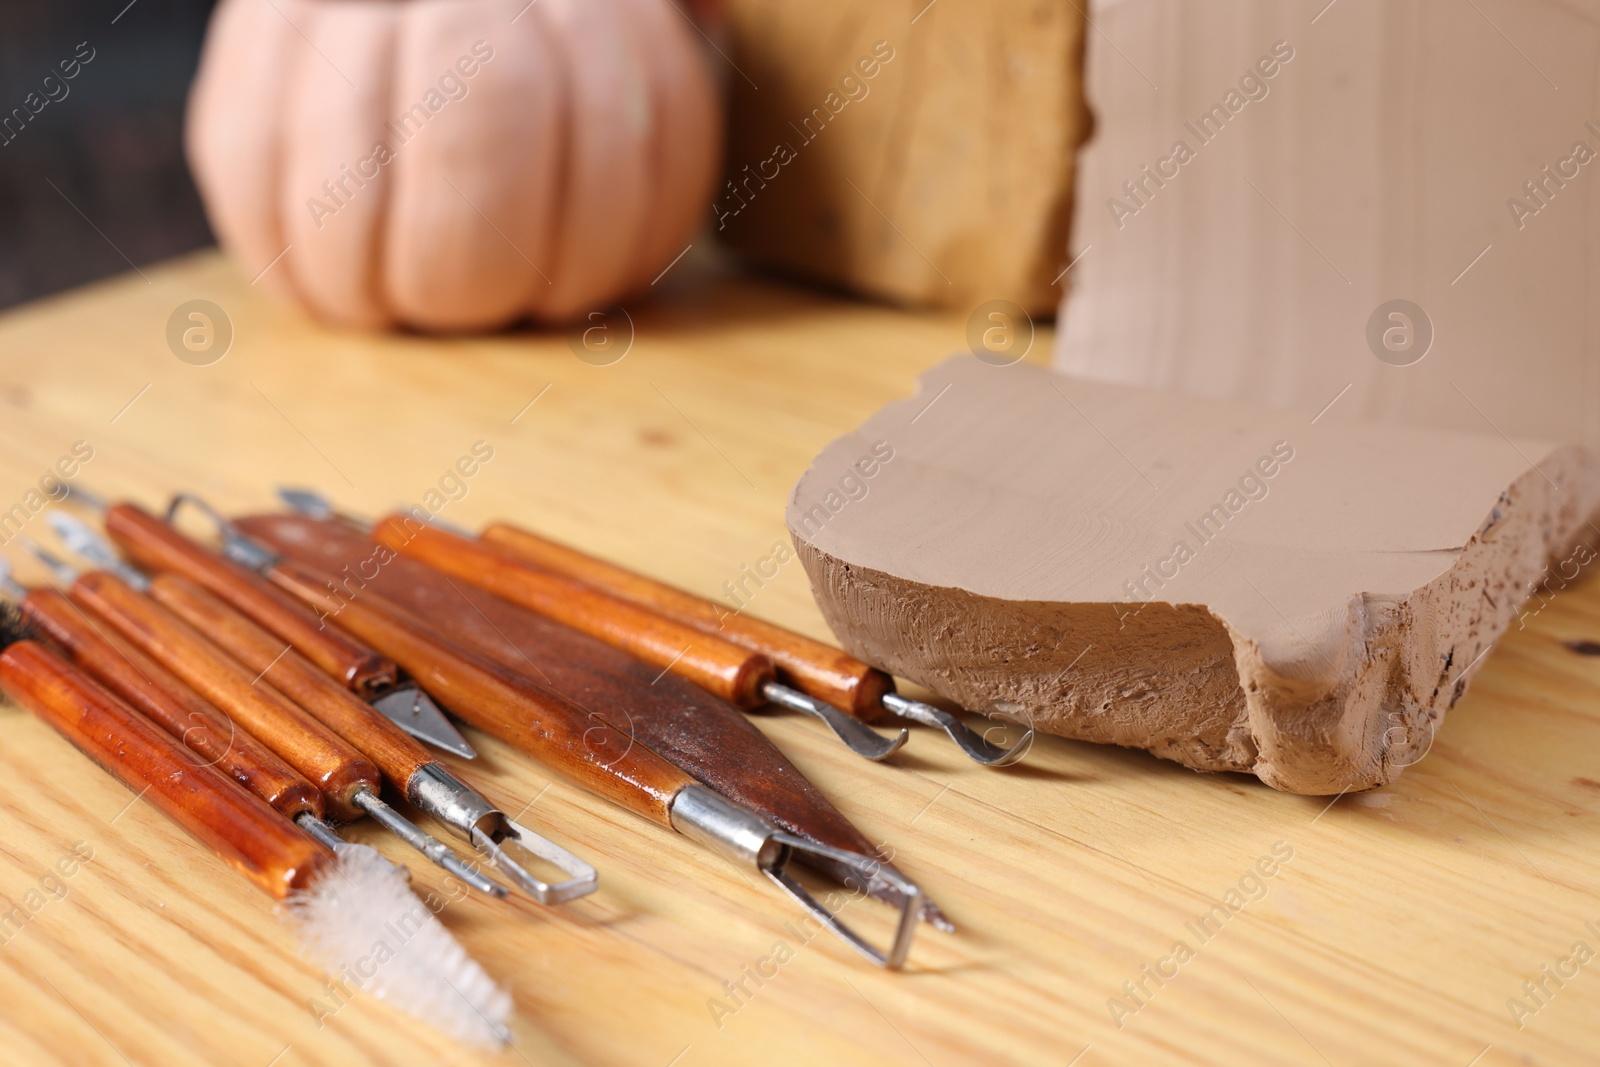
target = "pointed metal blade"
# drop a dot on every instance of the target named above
(414, 712)
(83, 540)
(79, 495)
(307, 502)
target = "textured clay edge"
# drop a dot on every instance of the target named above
(1179, 681)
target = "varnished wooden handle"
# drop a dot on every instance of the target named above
(156, 693)
(821, 670)
(585, 745)
(156, 546)
(237, 826)
(394, 751)
(304, 743)
(732, 673)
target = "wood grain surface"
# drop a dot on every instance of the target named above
(1395, 934)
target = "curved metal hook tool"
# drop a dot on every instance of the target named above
(235, 545)
(971, 742)
(861, 739)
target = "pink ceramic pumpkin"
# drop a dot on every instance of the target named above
(453, 164)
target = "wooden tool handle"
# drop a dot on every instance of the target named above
(156, 546)
(735, 674)
(821, 670)
(239, 827)
(156, 693)
(303, 742)
(394, 751)
(584, 745)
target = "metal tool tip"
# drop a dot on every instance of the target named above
(77, 494)
(983, 751)
(907, 896)
(307, 502)
(8, 584)
(66, 525)
(857, 735)
(409, 708)
(476, 879)
(582, 878)
(319, 830)
(426, 843)
(977, 747)
(61, 571)
(83, 540)
(936, 918)
(882, 888)
(879, 747)
(744, 836)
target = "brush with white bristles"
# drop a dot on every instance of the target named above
(360, 921)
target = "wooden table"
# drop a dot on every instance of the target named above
(1396, 933)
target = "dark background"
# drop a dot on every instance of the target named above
(113, 146)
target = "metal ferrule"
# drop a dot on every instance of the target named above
(744, 837)
(249, 554)
(727, 828)
(454, 803)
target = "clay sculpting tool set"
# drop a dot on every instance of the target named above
(742, 659)
(305, 692)
(583, 744)
(719, 745)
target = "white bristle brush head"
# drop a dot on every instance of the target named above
(361, 922)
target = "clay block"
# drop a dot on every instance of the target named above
(1229, 586)
(1390, 151)
(920, 154)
